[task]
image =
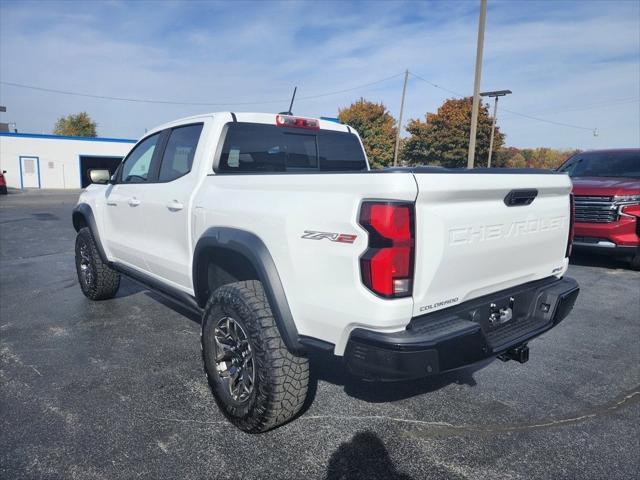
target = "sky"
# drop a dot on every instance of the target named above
(575, 63)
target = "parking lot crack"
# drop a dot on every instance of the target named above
(445, 428)
(436, 428)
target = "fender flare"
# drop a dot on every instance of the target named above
(83, 215)
(255, 251)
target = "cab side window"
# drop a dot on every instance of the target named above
(179, 152)
(567, 167)
(571, 166)
(136, 166)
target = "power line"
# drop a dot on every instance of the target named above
(550, 121)
(124, 99)
(171, 102)
(602, 104)
(105, 97)
(510, 111)
(308, 97)
(436, 85)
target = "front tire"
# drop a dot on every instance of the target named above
(257, 383)
(98, 280)
(635, 261)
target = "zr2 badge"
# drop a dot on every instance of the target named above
(333, 237)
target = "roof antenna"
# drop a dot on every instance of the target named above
(289, 112)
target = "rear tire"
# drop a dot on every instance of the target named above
(257, 383)
(635, 262)
(98, 280)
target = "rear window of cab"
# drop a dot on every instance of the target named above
(261, 148)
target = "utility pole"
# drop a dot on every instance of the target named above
(404, 91)
(495, 95)
(476, 84)
(493, 129)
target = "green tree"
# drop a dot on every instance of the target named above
(78, 125)
(376, 127)
(443, 139)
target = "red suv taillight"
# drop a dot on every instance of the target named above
(572, 219)
(387, 265)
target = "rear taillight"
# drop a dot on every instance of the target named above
(572, 218)
(387, 264)
(297, 122)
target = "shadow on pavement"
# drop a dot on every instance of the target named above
(130, 287)
(329, 368)
(332, 369)
(605, 261)
(175, 306)
(363, 457)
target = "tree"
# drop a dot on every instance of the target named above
(547, 157)
(443, 139)
(509, 157)
(512, 157)
(376, 127)
(78, 125)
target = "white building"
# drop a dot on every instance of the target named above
(55, 161)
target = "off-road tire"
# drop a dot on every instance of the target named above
(104, 281)
(281, 378)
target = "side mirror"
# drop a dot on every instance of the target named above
(99, 176)
(4, 171)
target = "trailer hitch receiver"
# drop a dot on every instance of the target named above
(519, 354)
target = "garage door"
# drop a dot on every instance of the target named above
(88, 162)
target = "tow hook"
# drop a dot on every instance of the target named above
(519, 354)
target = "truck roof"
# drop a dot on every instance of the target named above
(251, 117)
(612, 150)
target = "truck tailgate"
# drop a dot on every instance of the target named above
(469, 242)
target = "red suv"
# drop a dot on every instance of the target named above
(606, 188)
(3, 183)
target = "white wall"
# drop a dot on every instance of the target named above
(59, 157)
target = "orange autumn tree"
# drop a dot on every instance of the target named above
(377, 129)
(443, 139)
(542, 157)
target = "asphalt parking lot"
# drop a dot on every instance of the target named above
(116, 390)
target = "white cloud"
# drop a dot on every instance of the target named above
(568, 56)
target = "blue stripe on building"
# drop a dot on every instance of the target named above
(64, 137)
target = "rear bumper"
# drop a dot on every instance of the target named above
(463, 334)
(618, 238)
(604, 246)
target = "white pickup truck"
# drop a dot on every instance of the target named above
(274, 230)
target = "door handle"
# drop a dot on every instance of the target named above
(175, 206)
(134, 202)
(112, 204)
